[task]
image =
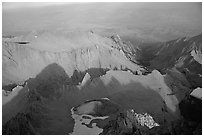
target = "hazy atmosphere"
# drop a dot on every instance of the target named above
(150, 21)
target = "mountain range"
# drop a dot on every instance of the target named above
(88, 83)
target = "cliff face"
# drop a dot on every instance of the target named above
(133, 53)
(184, 54)
(22, 61)
(181, 53)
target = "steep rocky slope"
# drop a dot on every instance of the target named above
(41, 88)
(184, 54)
(133, 53)
(21, 61)
(181, 53)
(181, 62)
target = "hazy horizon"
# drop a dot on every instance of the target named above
(150, 21)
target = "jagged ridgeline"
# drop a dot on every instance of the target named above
(80, 52)
(86, 83)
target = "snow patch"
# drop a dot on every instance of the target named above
(106, 98)
(81, 120)
(9, 95)
(86, 78)
(144, 119)
(197, 93)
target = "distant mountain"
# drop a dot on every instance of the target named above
(181, 53)
(184, 54)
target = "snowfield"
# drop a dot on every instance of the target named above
(80, 118)
(197, 93)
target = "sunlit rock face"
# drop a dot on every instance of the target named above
(197, 55)
(23, 61)
(132, 52)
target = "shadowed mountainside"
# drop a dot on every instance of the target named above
(50, 98)
(184, 54)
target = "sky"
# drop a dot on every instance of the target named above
(18, 5)
(150, 21)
